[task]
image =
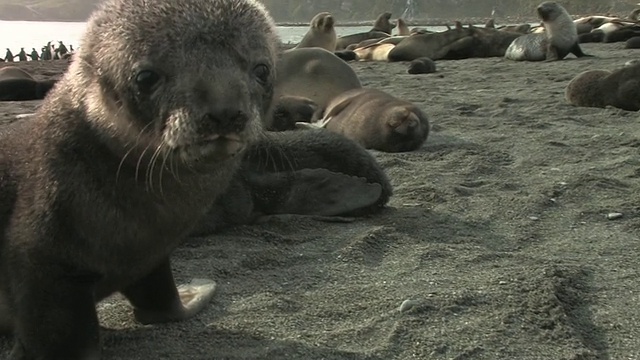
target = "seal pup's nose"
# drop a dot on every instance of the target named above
(223, 122)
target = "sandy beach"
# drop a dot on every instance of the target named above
(496, 244)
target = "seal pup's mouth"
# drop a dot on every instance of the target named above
(212, 148)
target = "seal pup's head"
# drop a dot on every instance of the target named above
(383, 23)
(558, 24)
(188, 79)
(323, 22)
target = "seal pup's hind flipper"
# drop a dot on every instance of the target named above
(326, 193)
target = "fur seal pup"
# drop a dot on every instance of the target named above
(403, 29)
(383, 23)
(601, 88)
(289, 110)
(375, 120)
(632, 43)
(321, 33)
(121, 161)
(315, 74)
(559, 39)
(422, 65)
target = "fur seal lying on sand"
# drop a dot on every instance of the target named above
(346, 41)
(289, 110)
(482, 43)
(599, 88)
(374, 52)
(124, 157)
(559, 39)
(621, 34)
(346, 55)
(591, 37)
(321, 33)
(434, 46)
(18, 85)
(422, 65)
(521, 28)
(375, 120)
(633, 43)
(315, 74)
(14, 72)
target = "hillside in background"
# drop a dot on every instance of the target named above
(46, 10)
(343, 10)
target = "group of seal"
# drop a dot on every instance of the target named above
(312, 79)
(126, 155)
(601, 88)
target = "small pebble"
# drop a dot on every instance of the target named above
(534, 218)
(614, 216)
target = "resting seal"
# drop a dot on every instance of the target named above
(315, 74)
(375, 120)
(321, 33)
(289, 110)
(18, 85)
(374, 52)
(14, 72)
(601, 88)
(120, 162)
(558, 40)
(633, 43)
(422, 65)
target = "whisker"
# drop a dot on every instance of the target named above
(130, 150)
(151, 166)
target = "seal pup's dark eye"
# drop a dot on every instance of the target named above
(146, 79)
(261, 72)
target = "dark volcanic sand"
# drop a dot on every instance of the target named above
(497, 235)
